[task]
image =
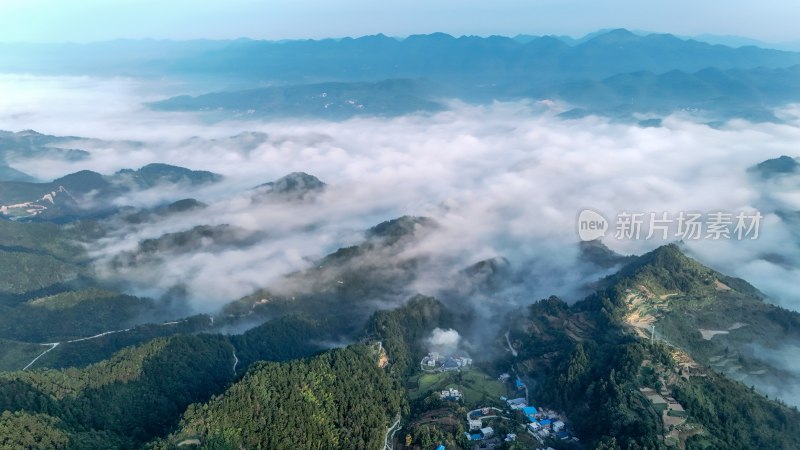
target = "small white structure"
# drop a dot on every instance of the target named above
(511, 437)
(431, 360)
(487, 432)
(504, 377)
(558, 426)
(451, 394)
(475, 424)
(534, 426)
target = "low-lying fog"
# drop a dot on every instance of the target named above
(504, 179)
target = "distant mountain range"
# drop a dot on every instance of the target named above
(611, 72)
(436, 56)
(335, 100)
(709, 95)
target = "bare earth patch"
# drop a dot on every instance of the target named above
(708, 334)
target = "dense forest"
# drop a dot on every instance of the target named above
(338, 399)
(127, 400)
(342, 398)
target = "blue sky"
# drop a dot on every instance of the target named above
(94, 20)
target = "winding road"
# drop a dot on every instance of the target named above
(387, 440)
(53, 345)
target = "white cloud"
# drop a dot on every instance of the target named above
(445, 342)
(502, 179)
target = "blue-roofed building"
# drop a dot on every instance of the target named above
(441, 447)
(450, 364)
(530, 411)
(545, 422)
(519, 384)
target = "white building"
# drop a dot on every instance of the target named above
(558, 426)
(451, 394)
(475, 424)
(487, 432)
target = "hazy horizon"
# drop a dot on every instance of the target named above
(47, 21)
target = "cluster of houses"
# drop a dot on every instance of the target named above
(542, 423)
(475, 418)
(545, 424)
(451, 394)
(482, 433)
(435, 361)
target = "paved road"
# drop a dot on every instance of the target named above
(52, 347)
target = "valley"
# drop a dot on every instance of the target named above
(379, 242)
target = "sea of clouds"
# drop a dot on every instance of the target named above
(506, 179)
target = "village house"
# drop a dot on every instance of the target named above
(451, 394)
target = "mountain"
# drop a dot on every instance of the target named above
(155, 174)
(31, 144)
(148, 385)
(353, 394)
(198, 238)
(611, 72)
(147, 215)
(722, 322)
(597, 253)
(11, 174)
(296, 185)
(76, 194)
(776, 167)
(711, 92)
(598, 361)
(348, 284)
(403, 227)
(436, 56)
(339, 399)
(139, 382)
(740, 41)
(340, 100)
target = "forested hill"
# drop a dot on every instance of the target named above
(119, 403)
(623, 390)
(345, 398)
(339, 399)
